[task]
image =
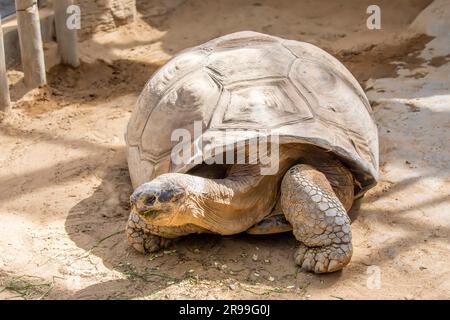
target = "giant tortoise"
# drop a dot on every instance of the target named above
(241, 87)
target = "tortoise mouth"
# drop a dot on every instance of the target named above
(147, 212)
(160, 216)
(153, 213)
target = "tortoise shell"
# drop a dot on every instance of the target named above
(249, 84)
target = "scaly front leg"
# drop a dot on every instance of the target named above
(140, 238)
(319, 220)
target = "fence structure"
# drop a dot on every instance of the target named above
(31, 46)
(5, 101)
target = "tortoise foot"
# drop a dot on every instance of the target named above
(142, 240)
(320, 221)
(323, 259)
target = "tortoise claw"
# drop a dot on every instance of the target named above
(323, 259)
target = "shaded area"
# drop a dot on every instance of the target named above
(335, 25)
(193, 22)
(7, 8)
(13, 186)
(378, 61)
(90, 84)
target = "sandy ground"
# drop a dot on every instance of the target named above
(64, 183)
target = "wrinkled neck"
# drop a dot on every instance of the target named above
(235, 203)
(222, 205)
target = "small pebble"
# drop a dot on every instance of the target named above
(392, 253)
(233, 286)
(271, 278)
(255, 257)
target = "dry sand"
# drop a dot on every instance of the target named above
(64, 183)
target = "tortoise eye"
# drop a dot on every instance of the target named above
(150, 200)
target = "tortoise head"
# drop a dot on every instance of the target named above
(162, 201)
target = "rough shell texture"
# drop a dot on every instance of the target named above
(248, 82)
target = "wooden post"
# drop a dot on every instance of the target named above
(5, 101)
(31, 49)
(66, 37)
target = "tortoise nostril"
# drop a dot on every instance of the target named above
(150, 200)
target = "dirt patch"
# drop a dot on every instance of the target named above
(384, 60)
(335, 25)
(89, 84)
(439, 61)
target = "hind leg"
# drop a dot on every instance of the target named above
(319, 220)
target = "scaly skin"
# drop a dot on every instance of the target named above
(145, 237)
(319, 220)
(140, 238)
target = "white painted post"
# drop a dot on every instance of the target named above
(5, 101)
(66, 37)
(31, 49)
